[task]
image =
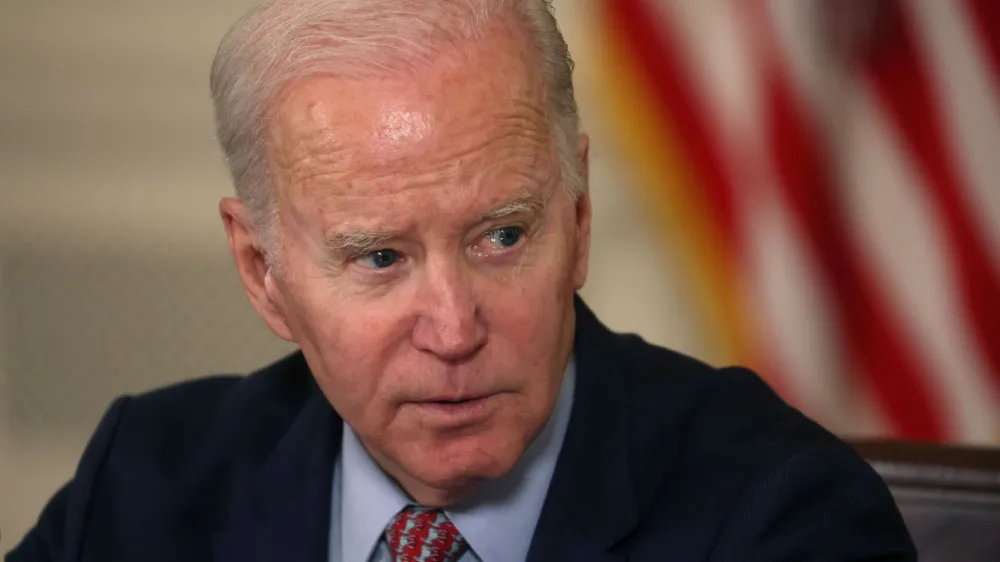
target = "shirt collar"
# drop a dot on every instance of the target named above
(369, 499)
(498, 519)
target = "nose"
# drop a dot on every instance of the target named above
(450, 324)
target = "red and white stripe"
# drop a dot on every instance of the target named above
(865, 162)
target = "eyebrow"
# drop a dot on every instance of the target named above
(526, 203)
(358, 242)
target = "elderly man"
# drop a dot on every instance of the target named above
(412, 211)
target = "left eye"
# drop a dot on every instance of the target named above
(505, 237)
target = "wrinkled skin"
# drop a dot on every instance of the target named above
(430, 252)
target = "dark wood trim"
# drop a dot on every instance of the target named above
(935, 469)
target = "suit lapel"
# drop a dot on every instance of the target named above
(592, 503)
(281, 508)
(609, 462)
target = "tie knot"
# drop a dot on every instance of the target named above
(419, 534)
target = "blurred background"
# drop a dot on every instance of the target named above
(807, 187)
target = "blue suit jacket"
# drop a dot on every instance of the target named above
(665, 458)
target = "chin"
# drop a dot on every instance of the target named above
(464, 462)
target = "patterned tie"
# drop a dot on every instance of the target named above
(419, 534)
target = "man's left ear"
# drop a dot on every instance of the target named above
(583, 215)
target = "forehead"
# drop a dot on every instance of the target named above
(476, 106)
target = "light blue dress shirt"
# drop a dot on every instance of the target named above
(498, 519)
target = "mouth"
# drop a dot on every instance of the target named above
(453, 411)
(454, 399)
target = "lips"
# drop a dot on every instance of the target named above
(455, 412)
(455, 399)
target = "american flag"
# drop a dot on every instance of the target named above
(829, 173)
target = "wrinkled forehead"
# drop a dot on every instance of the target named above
(486, 97)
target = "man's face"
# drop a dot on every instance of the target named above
(430, 253)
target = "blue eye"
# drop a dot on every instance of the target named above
(506, 237)
(379, 259)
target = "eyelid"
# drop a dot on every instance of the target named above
(364, 249)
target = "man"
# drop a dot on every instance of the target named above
(412, 211)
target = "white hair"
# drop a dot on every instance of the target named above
(283, 40)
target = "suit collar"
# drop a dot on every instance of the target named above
(594, 499)
(281, 507)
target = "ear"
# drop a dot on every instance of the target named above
(583, 216)
(583, 153)
(258, 282)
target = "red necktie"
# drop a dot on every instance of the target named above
(424, 535)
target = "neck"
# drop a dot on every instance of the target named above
(435, 497)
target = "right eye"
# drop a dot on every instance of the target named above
(379, 259)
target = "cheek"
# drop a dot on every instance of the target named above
(349, 347)
(528, 315)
